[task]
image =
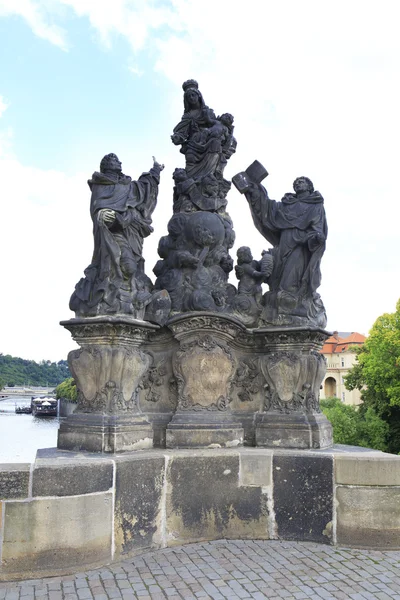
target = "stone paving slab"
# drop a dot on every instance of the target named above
(229, 570)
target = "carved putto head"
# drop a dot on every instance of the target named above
(301, 184)
(179, 175)
(244, 255)
(226, 119)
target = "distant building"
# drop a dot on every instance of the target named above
(340, 357)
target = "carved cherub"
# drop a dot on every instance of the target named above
(183, 188)
(248, 273)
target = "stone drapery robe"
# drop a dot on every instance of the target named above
(292, 227)
(117, 255)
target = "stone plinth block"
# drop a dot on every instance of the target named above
(293, 430)
(204, 367)
(108, 369)
(368, 516)
(303, 496)
(374, 469)
(14, 481)
(204, 500)
(138, 512)
(108, 433)
(71, 477)
(50, 534)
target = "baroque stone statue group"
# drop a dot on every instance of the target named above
(191, 360)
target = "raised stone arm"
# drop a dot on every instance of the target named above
(157, 165)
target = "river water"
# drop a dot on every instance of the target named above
(22, 435)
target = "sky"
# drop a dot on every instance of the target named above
(314, 89)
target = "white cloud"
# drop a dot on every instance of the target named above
(42, 263)
(134, 20)
(38, 17)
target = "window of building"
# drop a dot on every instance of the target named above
(342, 362)
(343, 396)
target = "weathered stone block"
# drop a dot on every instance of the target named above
(105, 433)
(14, 480)
(139, 485)
(368, 517)
(72, 478)
(46, 535)
(159, 422)
(371, 469)
(303, 496)
(255, 468)
(204, 500)
(294, 430)
(184, 436)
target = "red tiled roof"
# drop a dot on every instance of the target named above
(335, 344)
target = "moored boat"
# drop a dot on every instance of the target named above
(44, 407)
(23, 410)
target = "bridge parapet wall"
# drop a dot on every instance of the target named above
(68, 512)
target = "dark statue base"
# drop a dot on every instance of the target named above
(296, 430)
(202, 381)
(98, 433)
(204, 366)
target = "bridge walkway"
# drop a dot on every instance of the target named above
(229, 570)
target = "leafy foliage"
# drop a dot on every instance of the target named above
(355, 427)
(67, 389)
(2, 382)
(377, 374)
(18, 371)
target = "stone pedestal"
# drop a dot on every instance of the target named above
(108, 369)
(293, 371)
(293, 430)
(105, 433)
(204, 367)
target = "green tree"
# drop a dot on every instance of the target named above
(67, 389)
(28, 372)
(353, 427)
(2, 383)
(377, 374)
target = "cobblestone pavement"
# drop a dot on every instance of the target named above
(228, 569)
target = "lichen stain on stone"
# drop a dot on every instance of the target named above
(328, 530)
(209, 528)
(200, 507)
(139, 486)
(234, 443)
